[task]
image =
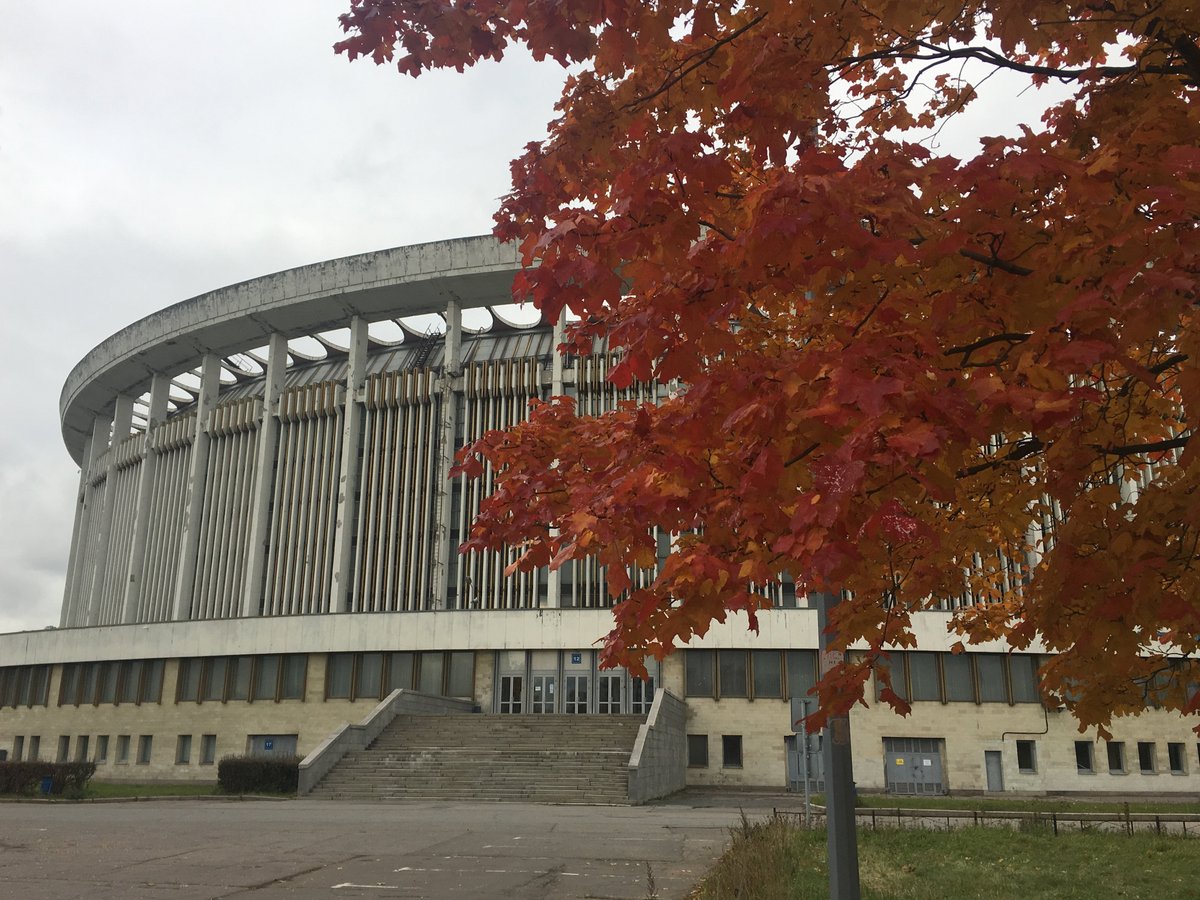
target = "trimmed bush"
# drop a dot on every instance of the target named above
(259, 774)
(70, 778)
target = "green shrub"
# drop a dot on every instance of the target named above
(69, 778)
(259, 774)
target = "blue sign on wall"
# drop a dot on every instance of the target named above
(576, 658)
(269, 744)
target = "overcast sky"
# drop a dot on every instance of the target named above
(152, 151)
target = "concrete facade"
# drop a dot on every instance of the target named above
(264, 487)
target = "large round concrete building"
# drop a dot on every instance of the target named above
(264, 550)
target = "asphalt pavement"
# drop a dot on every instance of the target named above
(321, 849)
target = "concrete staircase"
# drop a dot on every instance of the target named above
(540, 759)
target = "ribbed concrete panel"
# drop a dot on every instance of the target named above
(125, 479)
(300, 563)
(394, 556)
(584, 585)
(225, 518)
(495, 395)
(172, 443)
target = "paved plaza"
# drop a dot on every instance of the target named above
(307, 848)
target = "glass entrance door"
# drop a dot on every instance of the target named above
(543, 697)
(510, 693)
(608, 693)
(641, 695)
(575, 694)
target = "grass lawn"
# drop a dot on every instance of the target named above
(1026, 804)
(101, 789)
(777, 860)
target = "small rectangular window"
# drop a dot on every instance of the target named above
(460, 680)
(145, 748)
(801, 672)
(431, 670)
(698, 675)
(768, 682)
(87, 683)
(18, 747)
(1083, 758)
(1027, 757)
(131, 681)
(993, 687)
(82, 746)
(208, 749)
(896, 665)
(216, 673)
(1175, 756)
(1022, 669)
(1116, 757)
(266, 677)
(923, 676)
(122, 749)
(239, 680)
(109, 674)
(369, 676)
(295, 671)
(697, 745)
(152, 678)
(35, 747)
(102, 748)
(339, 675)
(960, 678)
(732, 673)
(68, 686)
(1146, 758)
(731, 751)
(187, 681)
(183, 750)
(400, 671)
(64, 748)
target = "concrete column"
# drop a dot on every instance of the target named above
(122, 424)
(160, 388)
(210, 384)
(67, 617)
(347, 504)
(264, 476)
(451, 370)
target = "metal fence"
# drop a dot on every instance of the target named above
(1053, 822)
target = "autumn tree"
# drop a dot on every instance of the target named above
(931, 382)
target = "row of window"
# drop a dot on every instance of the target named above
(270, 676)
(1147, 757)
(121, 750)
(731, 751)
(357, 676)
(131, 681)
(965, 677)
(749, 674)
(24, 685)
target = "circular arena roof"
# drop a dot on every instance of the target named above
(404, 281)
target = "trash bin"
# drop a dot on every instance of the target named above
(47, 785)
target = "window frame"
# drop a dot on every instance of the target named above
(732, 746)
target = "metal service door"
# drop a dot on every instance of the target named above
(913, 765)
(995, 770)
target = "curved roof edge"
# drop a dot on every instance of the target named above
(421, 278)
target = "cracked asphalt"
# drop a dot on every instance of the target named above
(311, 848)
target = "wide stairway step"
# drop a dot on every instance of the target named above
(551, 759)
